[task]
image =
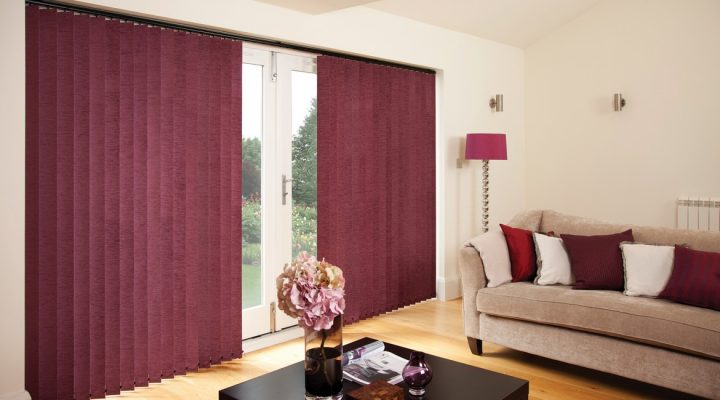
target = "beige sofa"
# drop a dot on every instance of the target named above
(651, 340)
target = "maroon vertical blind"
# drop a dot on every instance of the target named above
(376, 182)
(133, 210)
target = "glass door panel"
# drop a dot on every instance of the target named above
(304, 162)
(252, 125)
(296, 129)
(258, 134)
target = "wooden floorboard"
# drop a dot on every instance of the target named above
(434, 327)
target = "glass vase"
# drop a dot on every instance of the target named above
(323, 362)
(417, 373)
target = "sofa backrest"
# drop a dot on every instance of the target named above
(562, 223)
(529, 220)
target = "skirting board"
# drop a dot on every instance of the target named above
(448, 288)
(21, 395)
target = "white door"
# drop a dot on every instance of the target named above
(279, 128)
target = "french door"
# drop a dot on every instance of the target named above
(279, 117)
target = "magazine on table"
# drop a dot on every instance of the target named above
(371, 363)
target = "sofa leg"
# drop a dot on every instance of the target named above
(475, 345)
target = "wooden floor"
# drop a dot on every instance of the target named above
(436, 328)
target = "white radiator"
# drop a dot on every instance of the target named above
(698, 213)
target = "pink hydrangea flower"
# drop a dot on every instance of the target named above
(312, 291)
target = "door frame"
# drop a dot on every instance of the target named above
(276, 161)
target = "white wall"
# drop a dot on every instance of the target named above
(629, 166)
(12, 200)
(470, 71)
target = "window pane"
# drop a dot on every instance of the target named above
(304, 162)
(252, 125)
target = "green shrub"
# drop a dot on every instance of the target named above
(304, 223)
(251, 165)
(304, 155)
(251, 221)
(251, 254)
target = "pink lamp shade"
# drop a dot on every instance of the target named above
(485, 146)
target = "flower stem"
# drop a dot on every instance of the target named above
(324, 356)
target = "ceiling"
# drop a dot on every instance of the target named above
(316, 6)
(515, 22)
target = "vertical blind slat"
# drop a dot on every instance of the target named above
(112, 209)
(155, 263)
(191, 215)
(379, 148)
(31, 200)
(140, 204)
(395, 188)
(96, 241)
(179, 200)
(81, 213)
(167, 88)
(225, 182)
(47, 217)
(214, 256)
(235, 196)
(64, 195)
(126, 209)
(203, 231)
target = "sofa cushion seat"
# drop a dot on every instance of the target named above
(658, 322)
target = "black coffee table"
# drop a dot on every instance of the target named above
(451, 380)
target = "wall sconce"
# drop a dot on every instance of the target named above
(497, 103)
(618, 102)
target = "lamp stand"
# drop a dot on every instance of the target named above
(485, 194)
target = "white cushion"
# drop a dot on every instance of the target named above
(552, 260)
(647, 268)
(495, 257)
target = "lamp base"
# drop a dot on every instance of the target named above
(485, 194)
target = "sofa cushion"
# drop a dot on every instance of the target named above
(552, 261)
(596, 261)
(658, 322)
(695, 279)
(493, 251)
(522, 253)
(647, 268)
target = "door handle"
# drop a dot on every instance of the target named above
(285, 192)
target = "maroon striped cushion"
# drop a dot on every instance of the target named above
(522, 253)
(596, 261)
(695, 279)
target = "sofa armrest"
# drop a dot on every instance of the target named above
(472, 276)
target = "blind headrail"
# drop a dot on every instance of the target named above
(219, 33)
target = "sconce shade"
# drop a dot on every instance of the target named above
(485, 146)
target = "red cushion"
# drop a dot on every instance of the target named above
(522, 253)
(695, 279)
(596, 261)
